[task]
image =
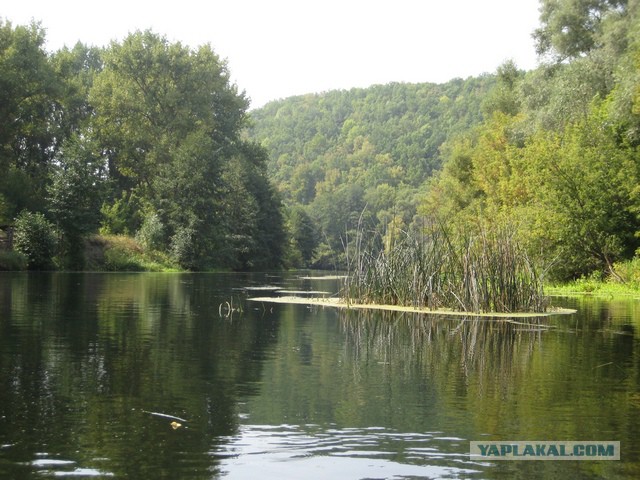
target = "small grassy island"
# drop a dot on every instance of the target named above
(426, 271)
(343, 303)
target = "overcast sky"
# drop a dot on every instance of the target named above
(279, 48)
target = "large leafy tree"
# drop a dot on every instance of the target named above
(586, 182)
(75, 193)
(29, 100)
(573, 28)
(152, 94)
(171, 123)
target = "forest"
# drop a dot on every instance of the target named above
(551, 155)
(150, 140)
(142, 139)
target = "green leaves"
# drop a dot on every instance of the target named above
(172, 124)
(571, 28)
(35, 238)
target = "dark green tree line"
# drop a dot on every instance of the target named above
(563, 164)
(144, 136)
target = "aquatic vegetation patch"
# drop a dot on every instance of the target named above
(428, 267)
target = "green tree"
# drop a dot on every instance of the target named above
(572, 28)
(304, 235)
(152, 94)
(35, 238)
(586, 183)
(171, 124)
(29, 94)
(75, 195)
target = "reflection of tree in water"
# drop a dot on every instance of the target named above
(92, 353)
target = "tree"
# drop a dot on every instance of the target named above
(75, 195)
(586, 183)
(29, 94)
(152, 94)
(171, 124)
(76, 69)
(505, 96)
(572, 28)
(35, 238)
(304, 235)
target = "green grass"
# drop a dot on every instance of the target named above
(119, 253)
(593, 287)
(484, 272)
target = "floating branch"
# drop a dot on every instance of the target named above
(164, 415)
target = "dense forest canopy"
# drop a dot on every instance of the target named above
(150, 139)
(144, 137)
(337, 154)
(550, 153)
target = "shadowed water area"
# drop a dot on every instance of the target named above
(149, 376)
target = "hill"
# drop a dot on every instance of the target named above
(338, 154)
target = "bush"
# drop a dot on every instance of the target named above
(34, 237)
(151, 233)
(628, 272)
(12, 261)
(117, 259)
(122, 216)
(183, 248)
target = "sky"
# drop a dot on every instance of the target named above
(279, 48)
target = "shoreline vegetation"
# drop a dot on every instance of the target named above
(434, 268)
(103, 253)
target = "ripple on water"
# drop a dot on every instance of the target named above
(65, 468)
(287, 451)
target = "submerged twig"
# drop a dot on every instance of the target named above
(165, 415)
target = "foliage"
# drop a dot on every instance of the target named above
(145, 136)
(150, 138)
(29, 96)
(571, 28)
(184, 248)
(35, 238)
(334, 153)
(628, 272)
(152, 232)
(563, 165)
(12, 261)
(171, 122)
(122, 253)
(304, 236)
(75, 195)
(122, 215)
(428, 267)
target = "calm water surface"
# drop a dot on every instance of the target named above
(94, 368)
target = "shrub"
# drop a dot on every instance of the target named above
(12, 261)
(34, 237)
(118, 259)
(183, 249)
(151, 233)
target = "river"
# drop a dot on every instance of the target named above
(150, 376)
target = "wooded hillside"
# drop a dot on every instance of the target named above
(550, 154)
(337, 155)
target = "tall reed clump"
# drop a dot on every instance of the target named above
(483, 272)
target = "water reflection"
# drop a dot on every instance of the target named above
(83, 356)
(86, 360)
(309, 451)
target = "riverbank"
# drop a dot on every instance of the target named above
(595, 288)
(109, 253)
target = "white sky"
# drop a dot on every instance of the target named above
(279, 48)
